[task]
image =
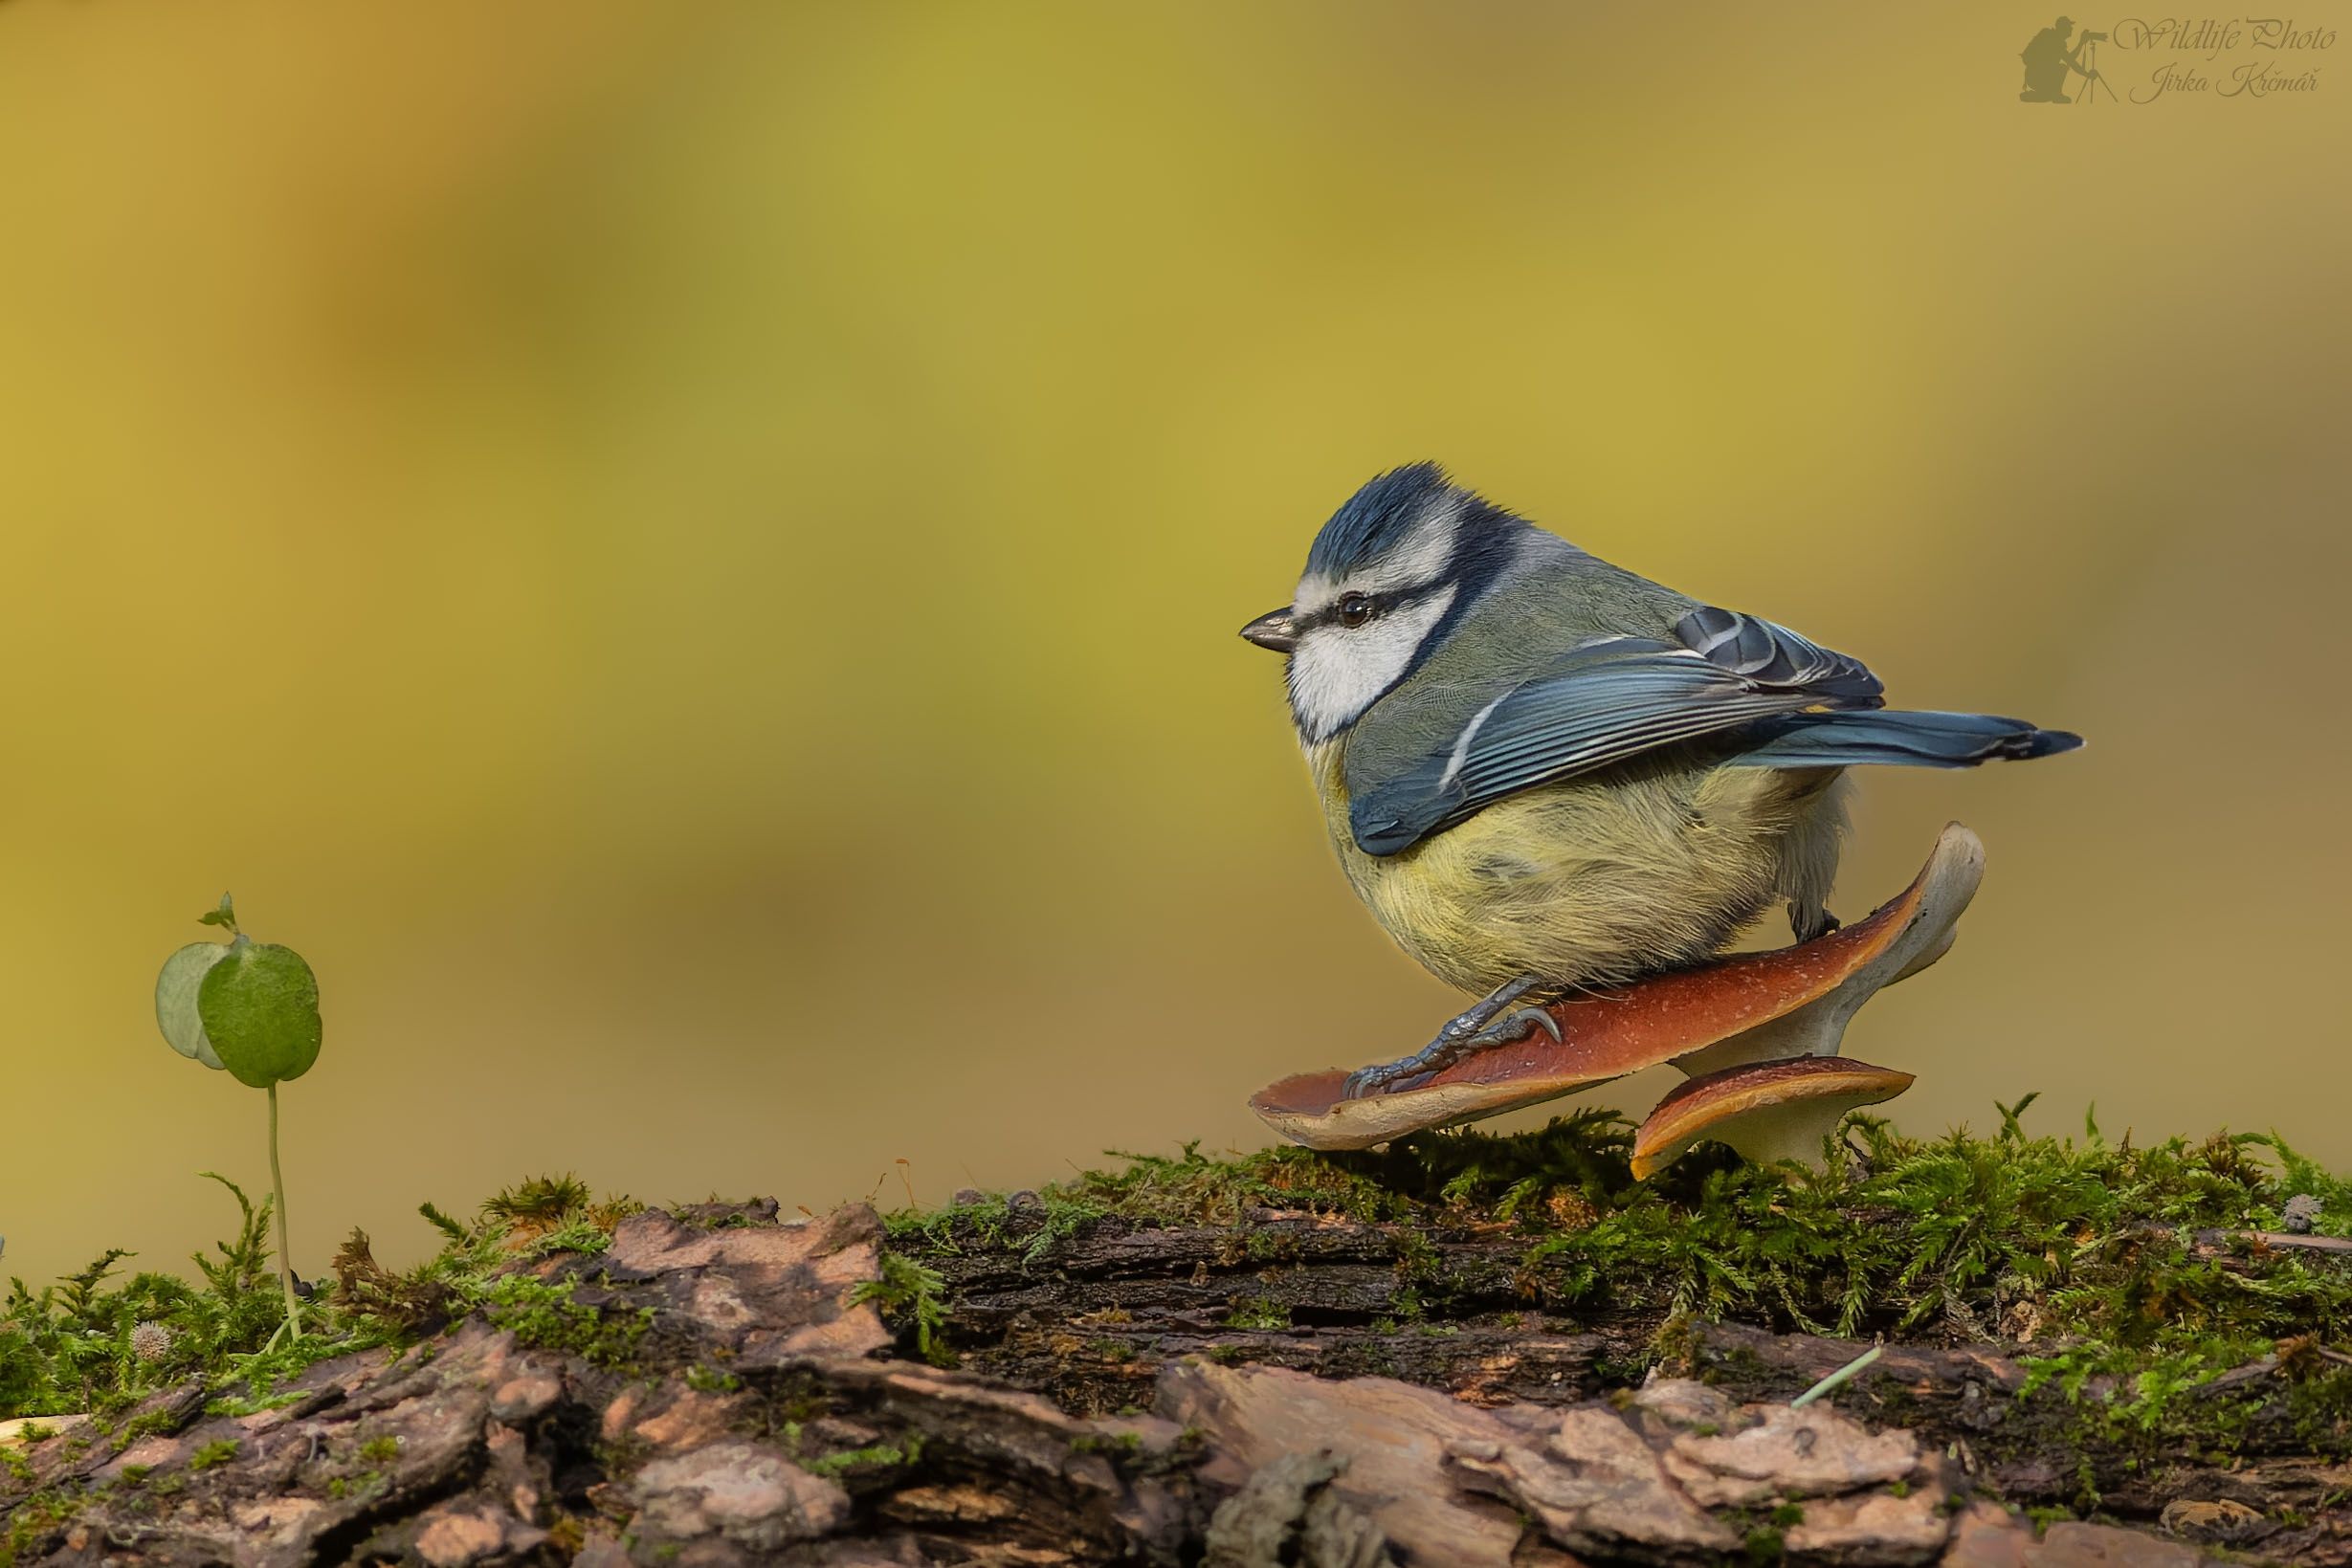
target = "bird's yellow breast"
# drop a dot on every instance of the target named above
(1583, 881)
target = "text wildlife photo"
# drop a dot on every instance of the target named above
(654, 918)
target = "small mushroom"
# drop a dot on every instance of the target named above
(1766, 1111)
(1749, 1007)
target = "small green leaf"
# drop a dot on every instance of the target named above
(175, 1000)
(224, 915)
(260, 1010)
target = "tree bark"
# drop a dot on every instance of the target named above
(1267, 1392)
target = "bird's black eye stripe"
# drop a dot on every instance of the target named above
(1354, 610)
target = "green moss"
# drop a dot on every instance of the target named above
(545, 1315)
(33, 1521)
(704, 1379)
(69, 1347)
(580, 1235)
(997, 1225)
(542, 1201)
(2071, 1239)
(879, 1456)
(1269, 1246)
(1416, 1258)
(2083, 1239)
(914, 1296)
(1190, 1189)
(1259, 1312)
(544, 1215)
(209, 1454)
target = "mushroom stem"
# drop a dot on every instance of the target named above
(1925, 934)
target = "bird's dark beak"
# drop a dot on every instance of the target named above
(1273, 630)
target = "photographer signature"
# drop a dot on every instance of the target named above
(2050, 63)
(2058, 55)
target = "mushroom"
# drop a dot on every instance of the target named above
(1922, 929)
(1748, 1006)
(1767, 1110)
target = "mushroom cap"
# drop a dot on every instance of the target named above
(1767, 1110)
(1783, 1003)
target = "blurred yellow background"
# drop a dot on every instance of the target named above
(687, 556)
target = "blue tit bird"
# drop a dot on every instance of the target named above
(1542, 772)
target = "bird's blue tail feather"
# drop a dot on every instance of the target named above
(1900, 738)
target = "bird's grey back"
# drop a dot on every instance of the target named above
(1549, 597)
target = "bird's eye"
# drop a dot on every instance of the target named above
(1355, 609)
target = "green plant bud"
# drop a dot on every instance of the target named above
(260, 1010)
(175, 1000)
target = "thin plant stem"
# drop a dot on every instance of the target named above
(285, 1257)
(1835, 1378)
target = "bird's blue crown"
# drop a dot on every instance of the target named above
(1378, 518)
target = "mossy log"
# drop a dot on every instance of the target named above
(2252, 1459)
(1282, 1360)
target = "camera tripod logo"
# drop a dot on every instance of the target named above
(2051, 64)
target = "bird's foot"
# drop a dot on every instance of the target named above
(1477, 1030)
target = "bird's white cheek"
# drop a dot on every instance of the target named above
(1338, 672)
(1327, 686)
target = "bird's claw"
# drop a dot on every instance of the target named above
(1382, 1078)
(1474, 1030)
(1809, 926)
(1515, 1027)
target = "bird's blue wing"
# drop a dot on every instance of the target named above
(1600, 703)
(1774, 655)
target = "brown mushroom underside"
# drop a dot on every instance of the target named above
(1779, 1110)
